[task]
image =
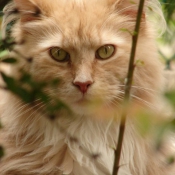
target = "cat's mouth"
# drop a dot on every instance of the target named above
(83, 100)
(89, 101)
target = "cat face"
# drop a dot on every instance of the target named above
(86, 45)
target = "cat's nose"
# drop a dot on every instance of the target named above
(83, 86)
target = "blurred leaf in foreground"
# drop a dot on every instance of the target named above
(3, 3)
(1, 152)
(31, 91)
(9, 60)
(170, 96)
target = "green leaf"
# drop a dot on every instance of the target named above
(16, 88)
(55, 82)
(150, 8)
(0, 126)
(144, 123)
(8, 80)
(44, 98)
(9, 60)
(170, 160)
(132, 2)
(130, 32)
(171, 97)
(140, 63)
(3, 53)
(126, 30)
(3, 3)
(1, 152)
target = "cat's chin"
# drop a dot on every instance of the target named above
(92, 108)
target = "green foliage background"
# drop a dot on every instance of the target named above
(169, 13)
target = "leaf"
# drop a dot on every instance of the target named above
(126, 30)
(150, 8)
(144, 123)
(170, 160)
(132, 2)
(6, 43)
(55, 82)
(9, 60)
(0, 126)
(14, 87)
(3, 53)
(130, 32)
(171, 97)
(44, 98)
(140, 63)
(8, 80)
(3, 3)
(1, 152)
(25, 78)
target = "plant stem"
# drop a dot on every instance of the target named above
(128, 89)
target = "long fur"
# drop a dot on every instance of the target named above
(82, 143)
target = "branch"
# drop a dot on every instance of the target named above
(127, 90)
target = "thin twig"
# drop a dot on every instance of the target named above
(127, 90)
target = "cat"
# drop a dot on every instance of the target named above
(86, 45)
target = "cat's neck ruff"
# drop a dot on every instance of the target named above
(74, 140)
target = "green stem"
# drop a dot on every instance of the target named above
(128, 89)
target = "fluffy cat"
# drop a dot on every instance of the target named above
(86, 46)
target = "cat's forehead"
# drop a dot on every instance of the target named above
(80, 23)
(79, 12)
(76, 23)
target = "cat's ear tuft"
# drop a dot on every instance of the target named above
(128, 8)
(28, 10)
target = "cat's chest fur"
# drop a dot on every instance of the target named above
(82, 146)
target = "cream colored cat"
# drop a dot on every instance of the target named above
(83, 43)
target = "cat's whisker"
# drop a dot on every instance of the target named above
(150, 105)
(29, 117)
(37, 118)
(30, 108)
(148, 90)
(115, 100)
(145, 88)
(21, 106)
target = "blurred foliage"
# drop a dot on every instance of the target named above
(167, 41)
(169, 13)
(3, 3)
(1, 152)
(169, 9)
(170, 95)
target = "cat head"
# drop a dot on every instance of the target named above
(86, 45)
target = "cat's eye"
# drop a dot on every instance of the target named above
(105, 52)
(59, 54)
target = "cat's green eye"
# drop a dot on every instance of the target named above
(59, 54)
(105, 52)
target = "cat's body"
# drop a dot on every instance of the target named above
(91, 87)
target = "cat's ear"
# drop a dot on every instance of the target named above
(127, 7)
(28, 10)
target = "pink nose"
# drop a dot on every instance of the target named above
(83, 86)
